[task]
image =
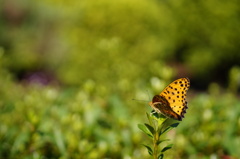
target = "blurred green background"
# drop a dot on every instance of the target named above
(69, 71)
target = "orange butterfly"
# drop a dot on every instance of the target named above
(171, 102)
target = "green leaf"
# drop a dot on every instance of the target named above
(149, 119)
(145, 130)
(160, 156)
(150, 128)
(150, 151)
(159, 142)
(161, 122)
(167, 147)
(169, 128)
(162, 119)
(174, 125)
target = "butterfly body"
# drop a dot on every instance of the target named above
(171, 102)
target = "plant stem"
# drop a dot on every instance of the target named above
(155, 145)
(156, 138)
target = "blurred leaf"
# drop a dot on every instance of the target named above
(167, 148)
(145, 130)
(161, 156)
(159, 142)
(150, 128)
(149, 149)
(170, 128)
(149, 118)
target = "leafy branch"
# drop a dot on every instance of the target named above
(155, 129)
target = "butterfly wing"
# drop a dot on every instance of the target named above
(176, 93)
(172, 100)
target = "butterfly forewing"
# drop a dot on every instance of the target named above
(175, 93)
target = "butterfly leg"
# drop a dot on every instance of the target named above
(153, 112)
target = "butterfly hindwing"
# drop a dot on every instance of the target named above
(161, 105)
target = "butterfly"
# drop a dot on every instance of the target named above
(171, 102)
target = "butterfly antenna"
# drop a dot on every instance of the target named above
(139, 100)
(153, 112)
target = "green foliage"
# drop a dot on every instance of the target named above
(46, 122)
(155, 131)
(69, 69)
(88, 37)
